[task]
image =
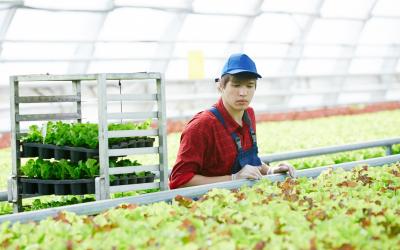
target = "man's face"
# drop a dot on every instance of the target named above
(238, 94)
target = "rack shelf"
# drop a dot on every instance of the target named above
(102, 182)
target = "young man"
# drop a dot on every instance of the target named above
(220, 144)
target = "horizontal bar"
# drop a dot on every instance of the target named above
(165, 58)
(328, 150)
(43, 117)
(133, 187)
(314, 172)
(39, 99)
(117, 41)
(144, 97)
(126, 170)
(102, 205)
(129, 133)
(133, 76)
(133, 115)
(86, 77)
(133, 151)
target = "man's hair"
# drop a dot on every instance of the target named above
(236, 78)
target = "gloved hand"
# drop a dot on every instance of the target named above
(248, 172)
(283, 168)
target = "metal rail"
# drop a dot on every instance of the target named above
(331, 150)
(102, 205)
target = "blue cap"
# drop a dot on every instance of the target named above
(239, 63)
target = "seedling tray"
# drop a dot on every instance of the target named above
(133, 179)
(57, 187)
(76, 154)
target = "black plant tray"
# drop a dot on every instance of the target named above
(48, 151)
(123, 180)
(57, 187)
(134, 143)
(75, 154)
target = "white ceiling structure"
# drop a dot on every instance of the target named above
(285, 37)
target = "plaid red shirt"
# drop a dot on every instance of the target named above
(207, 148)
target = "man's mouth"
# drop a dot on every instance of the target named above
(242, 102)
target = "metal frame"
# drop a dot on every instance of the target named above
(103, 188)
(165, 196)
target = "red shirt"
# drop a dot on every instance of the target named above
(207, 148)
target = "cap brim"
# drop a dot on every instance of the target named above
(237, 71)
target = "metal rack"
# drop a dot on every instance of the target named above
(102, 183)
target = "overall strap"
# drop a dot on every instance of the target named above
(252, 133)
(235, 138)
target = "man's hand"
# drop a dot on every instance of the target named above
(285, 168)
(281, 168)
(248, 172)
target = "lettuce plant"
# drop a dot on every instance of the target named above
(33, 135)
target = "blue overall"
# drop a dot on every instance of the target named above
(243, 158)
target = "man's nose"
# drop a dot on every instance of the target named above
(242, 91)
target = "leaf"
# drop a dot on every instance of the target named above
(347, 184)
(128, 206)
(184, 201)
(345, 247)
(260, 245)
(316, 214)
(313, 244)
(190, 228)
(61, 216)
(365, 179)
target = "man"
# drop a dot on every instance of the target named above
(220, 144)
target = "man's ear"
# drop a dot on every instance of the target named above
(220, 87)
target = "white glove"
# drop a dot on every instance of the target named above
(283, 168)
(248, 172)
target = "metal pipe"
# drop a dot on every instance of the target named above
(328, 150)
